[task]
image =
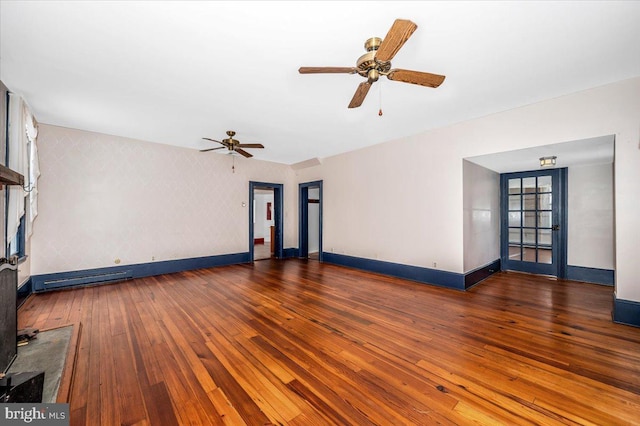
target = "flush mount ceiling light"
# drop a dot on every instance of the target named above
(548, 161)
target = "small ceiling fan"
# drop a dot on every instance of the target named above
(233, 145)
(377, 62)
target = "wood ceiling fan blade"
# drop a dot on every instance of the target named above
(243, 152)
(361, 93)
(416, 77)
(397, 36)
(327, 70)
(212, 149)
(250, 145)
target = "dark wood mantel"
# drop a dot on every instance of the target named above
(10, 177)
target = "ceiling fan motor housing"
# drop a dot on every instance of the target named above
(368, 66)
(372, 44)
(230, 141)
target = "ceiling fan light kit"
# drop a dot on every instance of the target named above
(377, 62)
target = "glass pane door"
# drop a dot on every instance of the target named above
(530, 221)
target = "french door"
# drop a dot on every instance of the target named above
(533, 222)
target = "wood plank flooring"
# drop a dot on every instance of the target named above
(302, 343)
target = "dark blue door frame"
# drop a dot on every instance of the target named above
(278, 197)
(303, 218)
(558, 266)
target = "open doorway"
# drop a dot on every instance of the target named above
(310, 220)
(263, 224)
(265, 220)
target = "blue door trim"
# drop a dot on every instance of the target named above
(559, 266)
(303, 218)
(563, 175)
(278, 204)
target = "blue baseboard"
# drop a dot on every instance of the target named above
(24, 291)
(398, 270)
(57, 280)
(626, 312)
(591, 275)
(290, 252)
(474, 277)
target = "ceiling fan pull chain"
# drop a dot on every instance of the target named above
(380, 92)
(233, 164)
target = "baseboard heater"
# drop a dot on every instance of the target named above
(88, 279)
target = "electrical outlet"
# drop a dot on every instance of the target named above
(116, 261)
(435, 264)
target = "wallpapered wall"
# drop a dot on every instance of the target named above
(104, 198)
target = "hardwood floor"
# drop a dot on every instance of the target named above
(304, 343)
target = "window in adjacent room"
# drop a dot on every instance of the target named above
(22, 157)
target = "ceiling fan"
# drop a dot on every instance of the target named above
(377, 62)
(233, 145)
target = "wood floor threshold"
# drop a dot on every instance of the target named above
(299, 342)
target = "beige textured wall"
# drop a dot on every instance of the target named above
(402, 201)
(591, 216)
(481, 206)
(103, 198)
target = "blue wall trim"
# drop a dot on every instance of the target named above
(57, 280)
(24, 291)
(398, 270)
(591, 275)
(626, 312)
(290, 252)
(474, 277)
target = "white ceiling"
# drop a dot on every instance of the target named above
(174, 72)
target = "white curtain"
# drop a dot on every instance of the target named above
(17, 161)
(34, 170)
(23, 158)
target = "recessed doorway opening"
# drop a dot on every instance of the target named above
(265, 220)
(310, 220)
(263, 224)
